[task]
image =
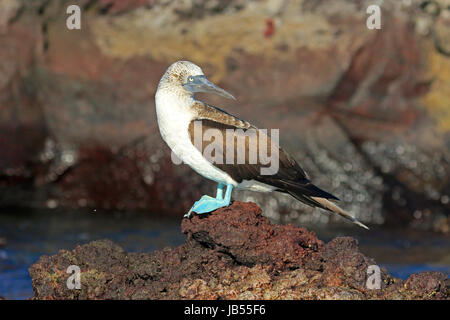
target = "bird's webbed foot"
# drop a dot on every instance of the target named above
(209, 204)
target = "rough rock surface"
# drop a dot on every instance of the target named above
(366, 112)
(234, 253)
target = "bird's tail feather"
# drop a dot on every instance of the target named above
(307, 189)
(327, 205)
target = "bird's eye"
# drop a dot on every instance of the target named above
(191, 79)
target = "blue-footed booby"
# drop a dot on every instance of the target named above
(181, 118)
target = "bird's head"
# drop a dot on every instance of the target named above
(190, 79)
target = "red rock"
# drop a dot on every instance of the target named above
(232, 253)
(252, 239)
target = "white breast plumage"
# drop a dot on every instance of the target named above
(174, 117)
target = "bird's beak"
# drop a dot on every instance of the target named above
(202, 84)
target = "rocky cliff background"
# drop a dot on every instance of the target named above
(366, 112)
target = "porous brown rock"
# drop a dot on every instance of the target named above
(233, 253)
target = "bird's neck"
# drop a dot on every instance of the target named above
(172, 95)
(172, 105)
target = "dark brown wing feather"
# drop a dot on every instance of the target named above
(290, 177)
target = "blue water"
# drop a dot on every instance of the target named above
(404, 271)
(30, 235)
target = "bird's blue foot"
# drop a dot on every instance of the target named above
(209, 204)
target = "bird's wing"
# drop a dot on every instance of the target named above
(219, 129)
(206, 111)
